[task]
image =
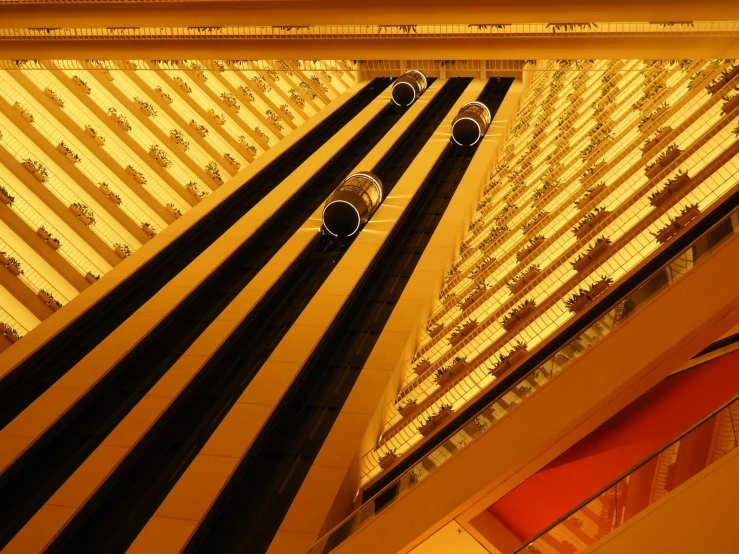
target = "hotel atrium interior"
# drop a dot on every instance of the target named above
(311, 277)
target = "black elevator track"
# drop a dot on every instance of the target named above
(32, 377)
(114, 516)
(250, 509)
(34, 477)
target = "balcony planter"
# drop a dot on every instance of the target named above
(443, 377)
(450, 299)
(472, 299)
(80, 83)
(140, 179)
(28, 166)
(408, 408)
(179, 141)
(670, 157)
(217, 180)
(105, 190)
(468, 327)
(595, 253)
(657, 140)
(18, 108)
(436, 330)
(443, 415)
(534, 244)
(231, 162)
(122, 252)
(731, 105)
(13, 269)
(173, 211)
(525, 279)
(5, 199)
(130, 170)
(84, 218)
(521, 313)
(587, 200)
(688, 216)
(387, 460)
(671, 188)
(90, 278)
(9, 333)
(583, 298)
(591, 224)
(421, 366)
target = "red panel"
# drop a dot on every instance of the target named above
(618, 444)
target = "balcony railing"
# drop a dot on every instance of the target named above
(607, 509)
(538, 377)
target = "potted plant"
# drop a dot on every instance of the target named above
(166, 98)
(81, 84)
(93, 134)
(534, 243)
(13, 265)
(535, 222)
(90, 277)
(178, 138)
(160, 156)
(83, 213)
(477, 273)
(184, 87)
(673, 185)
(285, 110)
(248, 149)
(590, 222)
(650, 144)
(66, 151)
(443, 376)
(436, 419)
(590, 195)
(594, 251)
(664, 159)
(409, 407)
(219, 119)
(518, 283)
(471, 298)
(147, 228)
(231, 161)
(199, 129)
(122, 250)
(518, 314)
(510, 359)
(582, 297)
(120, 120)
(230, 101)
(5, 197)
(434, 330)
(9, 333)
(246, 93)
(214, 173)
(53, 242)
(48, 299)
(421, 366)
(51, 95)
(145, 107)
(387, 459)
(172, 209)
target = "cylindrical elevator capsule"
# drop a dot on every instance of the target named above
(471, 123)
(352, 203)
(408, 87)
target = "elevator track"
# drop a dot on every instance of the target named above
(251, 507)
(113, 517)
(31, 480)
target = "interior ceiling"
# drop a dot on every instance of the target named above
(309, 29)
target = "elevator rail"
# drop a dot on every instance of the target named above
(249, 510)
(31, 479)
(114, 516)
(35, 375)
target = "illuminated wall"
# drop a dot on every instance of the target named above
(607, 160)
(97, 157)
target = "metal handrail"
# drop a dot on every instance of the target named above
(628, 472)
